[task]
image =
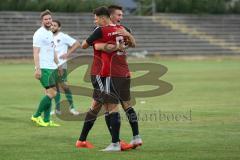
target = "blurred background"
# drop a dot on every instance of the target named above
(161, 27)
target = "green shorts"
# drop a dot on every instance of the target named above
(49, 78)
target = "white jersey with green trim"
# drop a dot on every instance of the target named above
(62, 42)
(43, 39)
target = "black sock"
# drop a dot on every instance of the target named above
(107, 120)
(132, 118)
(90, 118)
(115, 123)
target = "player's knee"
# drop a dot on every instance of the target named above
(113, 108)
(105, 106)
(126, 104)
(51, 93)
(54, 93)
(96, 106)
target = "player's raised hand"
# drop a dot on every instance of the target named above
(64, 56)
(37, 73)
(123, 32)
(122, 47)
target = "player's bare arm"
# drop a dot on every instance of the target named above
(131, 40)
(37, 73)
(108, 47)
(56, 58)
(85, 45)
(71, 50)
(96, 35)
(60, 69)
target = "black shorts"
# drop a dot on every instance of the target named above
(111, 89)
(98, 88)
(117, 89)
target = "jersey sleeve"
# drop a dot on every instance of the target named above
(96, 35)
(128, 29)
(69, 40)
(36, 40)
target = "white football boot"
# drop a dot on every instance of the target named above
(136, 141)
(55, 112)
(113, 147)
(74, 112)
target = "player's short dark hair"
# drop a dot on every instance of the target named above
(44, 13)
(112, 8)
(101, 11)
(58, 22)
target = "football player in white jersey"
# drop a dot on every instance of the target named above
(45, 60)
(64, 46)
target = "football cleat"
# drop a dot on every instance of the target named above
(57, 111)
(125, 146)
(113, 147)
(74, 112)
(52, 113)
(52, 124)
(39, 121)
(84, 144)
(136, 141)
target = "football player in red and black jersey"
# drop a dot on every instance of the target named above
(120, 75)
(104, 34)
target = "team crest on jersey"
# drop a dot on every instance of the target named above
(58, 41)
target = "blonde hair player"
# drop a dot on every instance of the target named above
(45, 60)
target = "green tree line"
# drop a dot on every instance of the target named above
(53, 5)
(192, 6)
(164, 6)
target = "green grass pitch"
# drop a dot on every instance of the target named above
(209, 88)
